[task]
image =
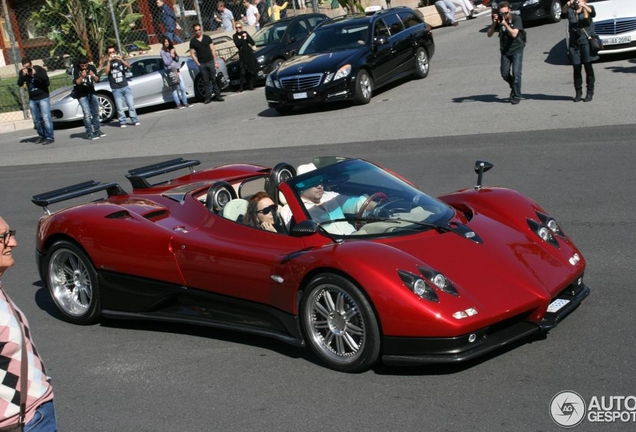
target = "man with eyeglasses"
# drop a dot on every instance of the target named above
(84, 77)
(511, 44)
(115, 67)
(204, 55)
(20, 364)
(37, 82)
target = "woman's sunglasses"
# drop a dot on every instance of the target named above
(267, 210)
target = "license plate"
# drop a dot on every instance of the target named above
(617, 40)
(556, 305)
(300, 95)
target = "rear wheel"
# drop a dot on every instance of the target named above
(72, 281)
(107, 107)
(364, 87)
(555, 11)
(340, 324)
(276, 63)
(421, 63)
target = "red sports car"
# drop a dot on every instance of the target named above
(364, 266)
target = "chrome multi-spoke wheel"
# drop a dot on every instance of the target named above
(106, 108)
(72, 282)
(340, 324)
(422, 64)
(364, 87)
(556, 11)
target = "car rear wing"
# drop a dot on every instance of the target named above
(138, 176)
(77, 190)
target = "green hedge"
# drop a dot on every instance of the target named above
(10, 92)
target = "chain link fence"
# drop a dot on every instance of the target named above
(53, 33)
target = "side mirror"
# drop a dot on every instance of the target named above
(305, 228)
(293, 53)
(480, 168)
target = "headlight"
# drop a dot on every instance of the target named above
(329, 77)
(260, 59)
(550, 223)
(543, 232)
(418, 286)
(271, 82)
(439, 280)
(343, 72)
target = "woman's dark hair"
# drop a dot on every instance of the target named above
(163, 46)
(252, 206)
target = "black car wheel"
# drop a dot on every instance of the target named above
(421, 63)
(72, 281)
(364, 87)
(555, 11)
(107, 107)
(199, 88)
(340, 324)
(276, 63)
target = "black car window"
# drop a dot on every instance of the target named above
(394, 23)
(315, 20)
(270, 34)
(298, 30)
(146, 66)
(409, 19)
(380, 29)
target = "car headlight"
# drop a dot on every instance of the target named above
(529, 3)
(418, 286)
(439, 280)
(343, 72)
(543, 232)
(271, 82)
(550, 223)
(260, 59)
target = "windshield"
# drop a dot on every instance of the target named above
(270, 34)
(355, 197)
(336, 38)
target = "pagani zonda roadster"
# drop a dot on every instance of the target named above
(412, 280)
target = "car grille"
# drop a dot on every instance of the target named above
(615, 27)
(300, 82)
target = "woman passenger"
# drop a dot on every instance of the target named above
(262, 213)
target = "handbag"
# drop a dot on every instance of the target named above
(172, 78)
(596, 44)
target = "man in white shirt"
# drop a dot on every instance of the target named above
(251, 13)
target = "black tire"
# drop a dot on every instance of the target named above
(199, 88)
(107, 108)
(422, 63)
(339, 324)
(284, 109)
(276, 63)
(72, 281)
(364, 87)
(555, 11)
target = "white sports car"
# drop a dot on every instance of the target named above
(615, 23)
(146, 79)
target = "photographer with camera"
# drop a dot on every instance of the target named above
(37, 82)
(511, 45)
(581, 28)
(115, 67)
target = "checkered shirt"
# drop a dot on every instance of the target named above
(39, 389)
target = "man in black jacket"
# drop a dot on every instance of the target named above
(37, 81)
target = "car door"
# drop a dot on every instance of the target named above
(382, 60)
(401, 44)
(147, 83)
(229, 258)
(296, 34)
(315, 20)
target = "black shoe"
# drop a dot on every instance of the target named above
(218, 98)
(40, 140)
(577, 96)
(515, 100)
(207, 101)
(48, 141)
(589, 96)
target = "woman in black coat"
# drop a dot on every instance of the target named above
(247, 61)
(580, 25)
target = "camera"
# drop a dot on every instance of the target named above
(575, 5)
(30, 69)
(500, 17)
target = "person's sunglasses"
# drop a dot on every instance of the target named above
(267, 210)
(6, 237)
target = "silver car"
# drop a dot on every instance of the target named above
(145, 78)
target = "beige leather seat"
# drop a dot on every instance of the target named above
(235, 210)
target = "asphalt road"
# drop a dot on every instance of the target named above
(576, 160)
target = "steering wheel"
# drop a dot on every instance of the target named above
(379, 196)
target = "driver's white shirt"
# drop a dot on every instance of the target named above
(332, 206)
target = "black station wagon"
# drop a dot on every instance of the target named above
(348, 57)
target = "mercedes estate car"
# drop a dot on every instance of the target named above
(348, 57)
(615, 23)
(533, 10)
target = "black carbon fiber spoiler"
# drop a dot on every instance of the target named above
(77, 190)
(138, 176)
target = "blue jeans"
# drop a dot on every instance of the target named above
(44, 419)
(173, 37)
(41, 113)
(122, 95)
(179, 88)
(511, 65)
(90, 107)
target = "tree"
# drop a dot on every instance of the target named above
(86, 26)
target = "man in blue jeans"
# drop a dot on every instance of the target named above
(169, 21)
(37, 81)
(511, 44)
(115, 67)
(84, 77)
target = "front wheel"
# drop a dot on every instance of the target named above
(107, 108)
(555, 11)
(72, 282)
(364, 87)
(422, 65)
(340, 324)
